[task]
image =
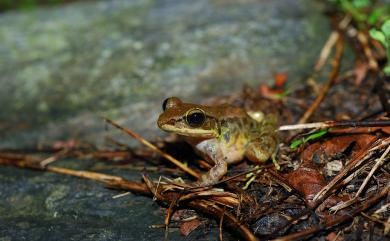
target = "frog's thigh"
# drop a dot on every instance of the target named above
(261, 149)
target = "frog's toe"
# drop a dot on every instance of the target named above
(203, 183)
(275, 162)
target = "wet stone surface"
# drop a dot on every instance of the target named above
(61, 67)
(47, 206)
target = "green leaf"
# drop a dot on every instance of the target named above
(317, 135)
(356, 14)
(361, 3)
(386, 70)
(313, 136)
(295, 143)
(378, 35)
(281, 95)
(386, 28)
(378, 14)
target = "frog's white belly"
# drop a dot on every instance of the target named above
(215, 150)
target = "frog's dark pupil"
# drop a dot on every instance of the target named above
(196, 119)
(164, 105)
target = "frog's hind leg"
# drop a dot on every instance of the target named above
(262, 144)
(256, 152)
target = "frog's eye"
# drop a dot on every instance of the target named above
(195, 118)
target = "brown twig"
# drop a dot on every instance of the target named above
(374, 219)
(363, 40)
(220, 226)
(154, 148)
(208, 207)
(353, 164)
(332, 80)
(326, 50)
(54, 157)
(338, 124)
(378, 163)
(322, 59)
(338, 220)
(116, 181)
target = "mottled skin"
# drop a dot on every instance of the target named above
(222, 134)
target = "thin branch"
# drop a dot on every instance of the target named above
(356, 163)
(378, 163)
(332, 80)
(337, 220)
(333, 124)
(363, 40)
(156, 149)
(208, 207)
(325, 51)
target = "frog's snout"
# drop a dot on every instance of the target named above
(162, 122)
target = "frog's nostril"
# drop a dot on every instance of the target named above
(163, 122)
(171, 122)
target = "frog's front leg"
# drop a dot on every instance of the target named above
(214, 174)
(210, 150)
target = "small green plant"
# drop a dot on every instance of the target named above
(383, 36)
(364, 11)
(379, 15)
(312, 136)
(354, 8)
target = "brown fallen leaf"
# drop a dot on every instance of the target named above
(187, 227)
(306, 179)
(360, 72)
(278, 86)
(323, 151)
(334, 237)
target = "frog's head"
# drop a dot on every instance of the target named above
(188, 119)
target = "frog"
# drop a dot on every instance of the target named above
(222, 134)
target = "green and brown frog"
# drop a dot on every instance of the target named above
(222, 134)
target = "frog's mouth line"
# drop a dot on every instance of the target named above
(190, 132)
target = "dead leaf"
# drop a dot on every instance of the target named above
(323, 151)
(307, 180)
(280, 79)
(187, 227)
(360, 72)
(278, 86)
(333, 237)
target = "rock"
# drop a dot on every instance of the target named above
(64, 66)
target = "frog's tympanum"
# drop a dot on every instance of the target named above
(222, 134)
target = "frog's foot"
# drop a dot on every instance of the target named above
(213, 175)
